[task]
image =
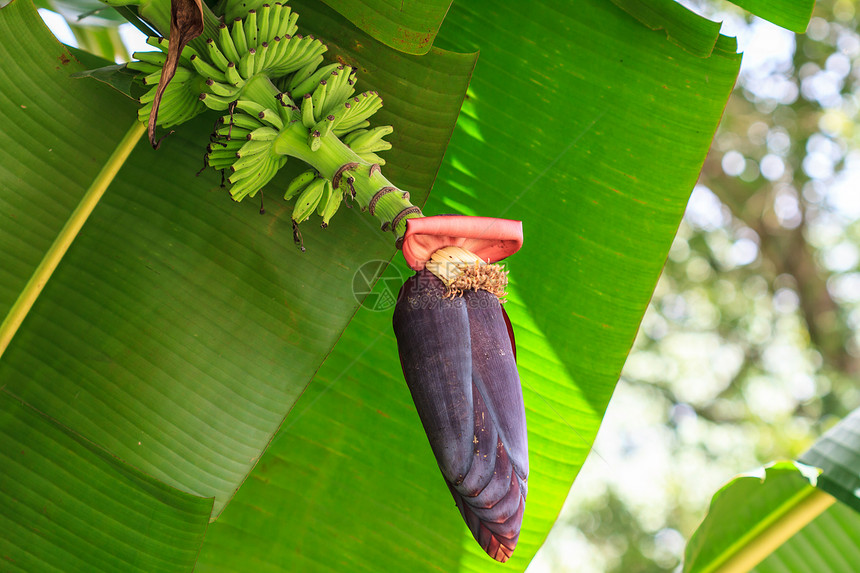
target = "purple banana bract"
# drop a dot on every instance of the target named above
(458, 359)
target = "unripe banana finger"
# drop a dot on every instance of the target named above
(340, 130)
(144, 67)
(284, 22)
(371, 157)
(216, 55)
(249, 107)
(232, 132)
(225, 40)
(263, 134)
(272, 118)
(223, 90)
(263, 23)
(314, 140)
(246, 166)
(237, 32)
(327, 193)
(243, 121)
(299, 182)
(331, 207)
(380, 145)
(318, 98)
(350, 138)
(308, 200)
(154, 58)
(252, 148)
(232, 75)
(262, 57)
(215, 102)
(207, 70)
(251, 29)
(246, 63)
(308, 111)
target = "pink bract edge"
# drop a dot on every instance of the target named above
(489, 238)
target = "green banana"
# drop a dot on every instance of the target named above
(333, 203)
(237, 32)
(299, 182)
(250, 107)
(371, 157)
(263, 23)
(232, 75)
(251, 148)
(242, 120)
(363, 140)
(225, 40)
(314, 140)
(251, 29)
(272, 118)
(327, 193)
(263, 134)
(216, 55)
(247, 63)
(223, 90)
(215, 102)
(154, 58)
(308, 111)
(309, 199)
(207, 70)
(318, 98)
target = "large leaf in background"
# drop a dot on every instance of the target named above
(592, 129)
(410, 28)
(791, 14)
(837, 453)
(791, 520)
(54, 480)
(750, 513)
(180, 327)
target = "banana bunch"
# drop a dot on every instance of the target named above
(264, 42)
(261, 43)
(328, 109)
(242, 145)
(271, 80)
(181, 99)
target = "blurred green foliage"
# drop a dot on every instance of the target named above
(749, 350)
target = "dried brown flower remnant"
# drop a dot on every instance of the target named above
(186, 23)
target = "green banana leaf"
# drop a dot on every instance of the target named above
(791, 14)
(411, 28)
(60, 485)
(837, 453)
(789, 520)
(180, 327)
(830, 543)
